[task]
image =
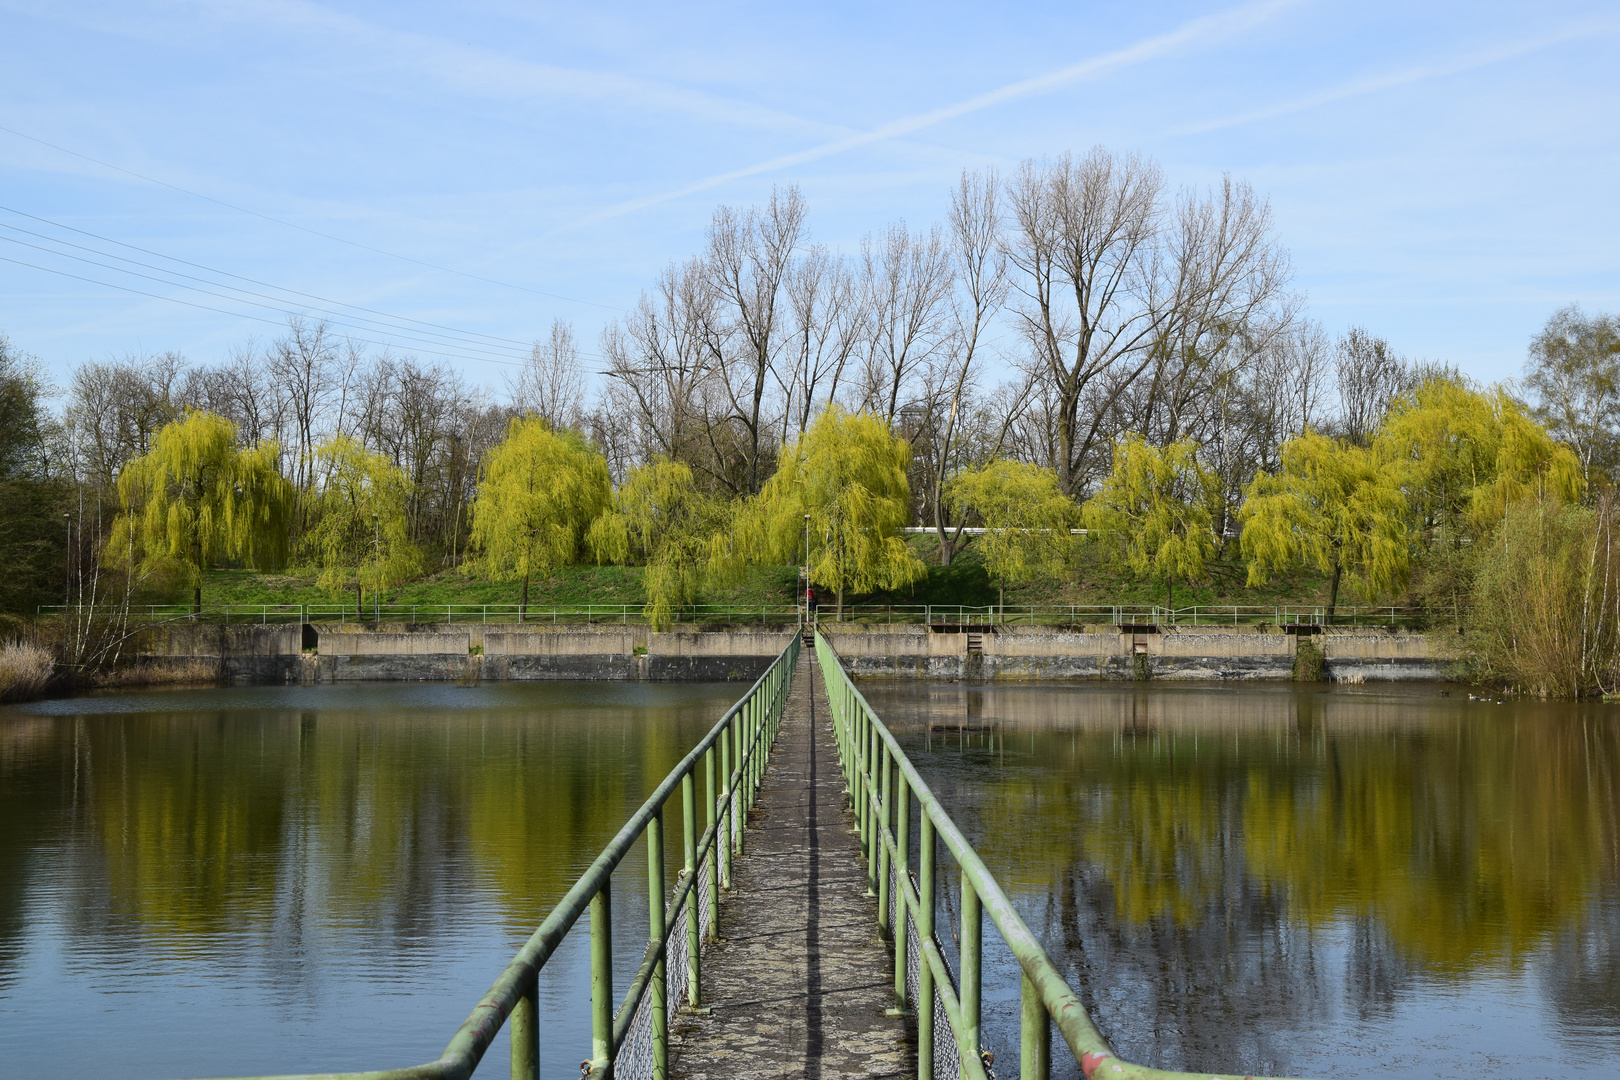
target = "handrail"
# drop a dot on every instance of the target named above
(1118, 614)
(881, 782)
(734, 749)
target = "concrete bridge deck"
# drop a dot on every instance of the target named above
(799, 980)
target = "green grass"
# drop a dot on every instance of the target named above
(1094, 580)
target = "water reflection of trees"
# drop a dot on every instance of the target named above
(1215, 866)
(256, 832)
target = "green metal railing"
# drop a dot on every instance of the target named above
(734, 753)
(1068, 615)
(882, 785)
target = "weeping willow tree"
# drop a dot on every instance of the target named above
(847, 475)
(360, 533)
(196, 499)
(539, 494)
(1466, 455)
(1026, 519)
(1331, 505)
(661, 520)
(1157, 507)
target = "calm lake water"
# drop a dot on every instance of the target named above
(243, 881)
(1288, 881)
(1251, 878)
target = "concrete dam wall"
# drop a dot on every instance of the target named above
(320, 653)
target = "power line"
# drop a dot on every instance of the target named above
(229, 274)
(303, 228)
(335, 317)
(340, 321)
(222, 311)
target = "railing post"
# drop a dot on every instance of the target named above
(694, 943)
(884, 816)
(874, 826)
(925, 934)
(971, 955)
(658, 999)
(722, 832)
(902, 846)
(602, 977)
(525, 1025)
(713, 861)
(1035, 1034)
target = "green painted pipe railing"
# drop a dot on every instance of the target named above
(734, 754)
(882, 784)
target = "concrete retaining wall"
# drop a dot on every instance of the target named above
(1034, 653)
(279, 654)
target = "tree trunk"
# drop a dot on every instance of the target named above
(840, 602)
(1169, 592)
(359, 599)
(523, 607)
(196, 599)
(1001, 601)
(1333, 590)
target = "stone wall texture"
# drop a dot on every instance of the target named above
(322, 653)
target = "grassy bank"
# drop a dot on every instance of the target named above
(1093, 580)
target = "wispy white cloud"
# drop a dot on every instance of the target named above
(469, 69)
(1201, 33)
(1372, 84)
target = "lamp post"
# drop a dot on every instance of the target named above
(805, 592)
(376, 557)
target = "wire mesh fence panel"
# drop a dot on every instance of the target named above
(947, 1063)
(634, 1060)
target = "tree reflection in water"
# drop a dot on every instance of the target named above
(1274, 879)
(268, 881)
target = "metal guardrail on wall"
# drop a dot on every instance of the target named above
(632, 1042)
(1068, 615)
(882, 785)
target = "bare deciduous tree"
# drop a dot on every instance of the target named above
(908, 278)
(1370, 375)
(748, 262)
(1574, 373)
(551, 384)
(1113, 282)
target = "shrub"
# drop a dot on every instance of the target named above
(1547, 600)
(24, 670)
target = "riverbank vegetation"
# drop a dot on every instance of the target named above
(1086, 387)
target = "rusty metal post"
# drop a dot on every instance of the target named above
(525, 1024)
(694, 943)
(657, 986)
(925, 932)
(602, 977)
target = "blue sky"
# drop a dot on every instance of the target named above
(1443, 174)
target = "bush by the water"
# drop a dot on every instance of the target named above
(24, 670)
(1547, 600)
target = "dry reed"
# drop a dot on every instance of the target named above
(25, 668)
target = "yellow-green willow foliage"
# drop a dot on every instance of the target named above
(1331, 505)
(359, 533)
(661, 520)
(1157, 508)
(196, 499)
(1466, 456)
(848, 473)
(1026, 518)
(1546, 615)
(540, 492)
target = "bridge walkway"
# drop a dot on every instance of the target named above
(799, 980)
